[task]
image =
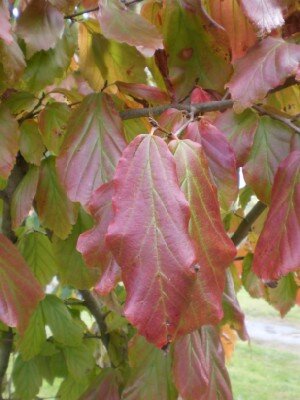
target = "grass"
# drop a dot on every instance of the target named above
(263, 371)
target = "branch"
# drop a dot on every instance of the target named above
(6, 345)
(91, 302)
(280, 118)
(245, 226)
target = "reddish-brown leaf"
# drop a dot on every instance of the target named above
(265, 14)
(92, 147)
(125, 26)
(105, 387)
(23, 197)
(215, 251)
(273, 142)
(40, 25)
(277, 251)
(20, 292)
(145, 92)
(5, 28)
(221, 159)
(149, 238)
(266, 66)
(239, 130)
(199, 95)
(9, 142)
(92, 243)
(199, 366)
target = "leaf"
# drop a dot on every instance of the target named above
(37, 250)
(141, 91)
(72, 269)
(265, 14)
(21, 102)
(27, 378)
(125, 26)
(72, 389)
(286, 100)
(251, 282)
(64, 328)
(92, 147)
(266, 66)
(31, 145)
(283, 297)
(13, 63)
(40, 25)
(5, 31)
(149, 239)
(239, 130)
(272, 143)
(52, 124)
(55, 211)
(194, 53)
(281, 255)
(104, 387)
(20, 292)
(9, 142)
(92, 243)
(199, 358)
(80, 359)
(241, 35)
(30, 344)
(221, 159)
(23, 196)
(43, 67)
(150, 375)
(215, 251)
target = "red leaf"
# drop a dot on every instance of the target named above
(277, 252)
(221, 159)
(40, 25)
(199, 366)
(266, 66)
(171, 120)
(123, 25)
(215, 251)
(239, 130)
(105, 387)
(149, 93)
(92, 243)
(9, 142)
(23, 196)
(199, 95)
(149, 238)
(265, 14)
(92, 147)
(5, 27)
(20, 292)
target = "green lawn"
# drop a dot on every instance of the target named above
(263, 371)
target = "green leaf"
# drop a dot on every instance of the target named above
(21, 102)
(55, 211)
(80, 359)
(23, 196)
(72, 269)
(30, 344)
(13, 63)
(38, 252)
(31, 145)
(64, 328)
(283, 297)
(26, 378)
(52, 125)
(251, 282)
(72, 389)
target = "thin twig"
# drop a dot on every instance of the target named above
(79, 13)
(284, 120)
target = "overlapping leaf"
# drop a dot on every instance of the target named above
(149, 238)
(92, 243)
(55, 211)
(266, 66)
(31, 145)
(9, 142)
(215, 251)
(104, 387)
(199, 366)
(150, 376)
(145, 92)
(20, 292)
(283, 297)
(273, 142)
(123, 25)
(239, 130)
(5, 30)
(92, 147)
(23, 196)
(12, 62)
(40, 25)
(221, 159)
(281, 255)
